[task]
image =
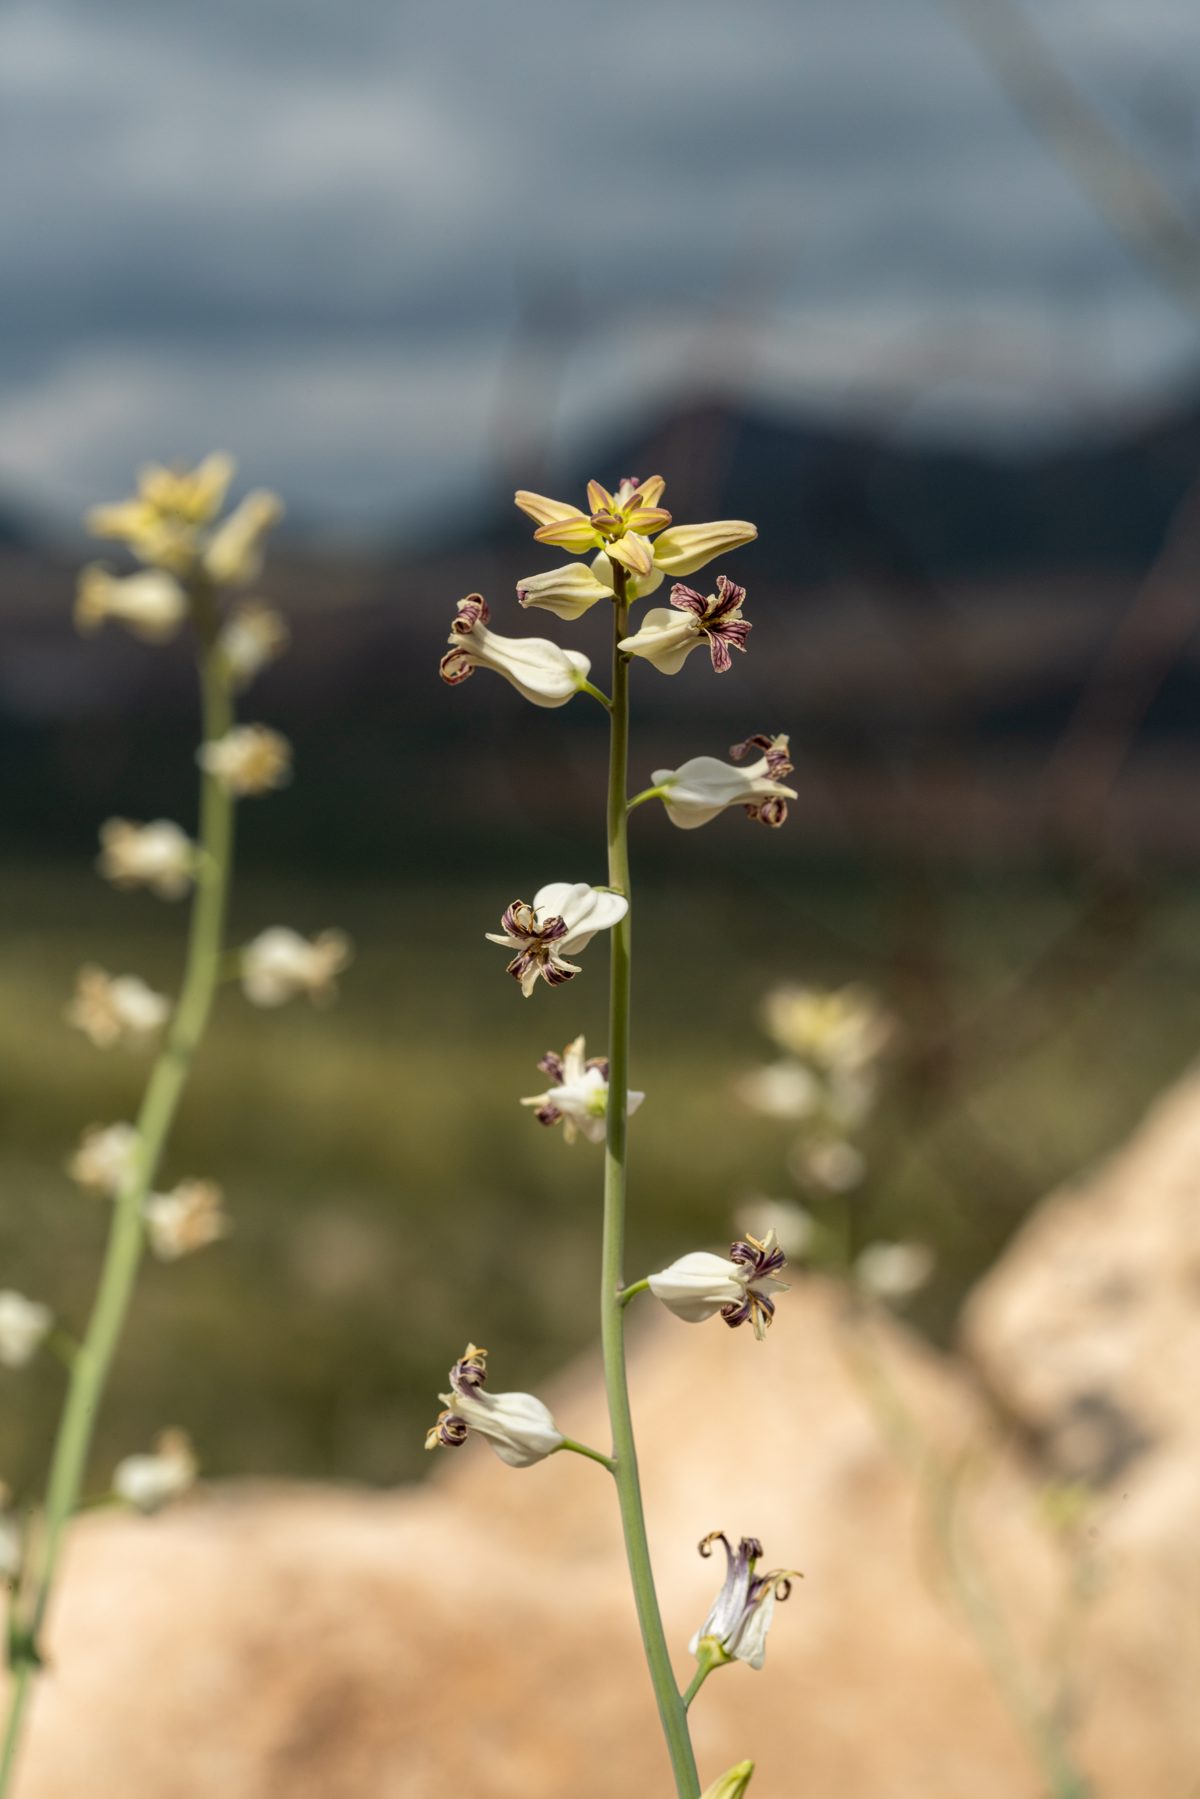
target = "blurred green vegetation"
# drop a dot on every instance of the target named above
(392, 1199)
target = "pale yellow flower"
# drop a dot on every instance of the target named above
(627, 528)
(24, 1326)
(234, 552)
(249, 759)
(841, 1029)
(280, 964)
(158, 855)
(252, 636)
(105, 1159)
(164, 521)
(186, 1219)
(151, 603)
(112, 1009)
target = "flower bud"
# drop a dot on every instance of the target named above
(149, 1482)
(234, 553)
(731, 1785)
(249, 759)
(685, 548)
(567, 591)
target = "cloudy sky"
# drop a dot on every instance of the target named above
(378, 246)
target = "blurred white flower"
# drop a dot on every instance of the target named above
(562, 921)
(828, 1162)
(537, 668)
(579, 1097)
(149, 1482)
(789, 1223)
(233, 554)
(517, 1425)
(252, 636)
(894, 1270)
(105, 1158)
(781, 1090)
(698, 790)
(737, 1624)
(151, 603)
(24, 1326)
(186, 1219)
(112, 1009)
(249, 759)
(738, 1286)
(159, 855)
(280, 964)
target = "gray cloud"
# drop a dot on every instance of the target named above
(307, 232)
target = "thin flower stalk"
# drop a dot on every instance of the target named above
(123, 1253)
(671, 1707)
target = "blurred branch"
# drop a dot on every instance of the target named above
(1120, 182)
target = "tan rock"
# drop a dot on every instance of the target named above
(476, 1637)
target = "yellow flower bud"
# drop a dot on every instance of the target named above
(732, 1784)
(685, 548)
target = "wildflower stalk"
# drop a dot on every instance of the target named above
(93, 1358)
(672, 1710)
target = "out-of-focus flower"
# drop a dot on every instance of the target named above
(698, 790)
(667, 639)
(233, 554)
(732, 1785)
(151, 603)
(517, 1425)
(188, 1218)
(149, 1482)
(893, 1270)
(24, 1326)
(562, 920)
(164, 521)
(112, 1009)
(792, 1227)
(781, 1090)
(105, 1159)
(253, 636)
(10, 1538)
(828, 1162)
(843, 1028)
(159, 855)
(249, 759)
(737, 1625)
(623, 527)
(738, 1286)
(280, 964)
(537, 668)
(578, 1098)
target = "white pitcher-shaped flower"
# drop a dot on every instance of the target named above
(562, 921)
(737, 1624)
(738, 1286)
(698, 790)
(518, 1426)
(537, 668)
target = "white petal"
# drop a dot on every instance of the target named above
(697, 1285)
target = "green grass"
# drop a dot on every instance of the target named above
(391, 1198)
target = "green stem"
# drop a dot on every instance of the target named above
(671, 1708)
(586, 687)
(93, 1359)
(647, 793)
(632, 1291)
(594, 1455)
